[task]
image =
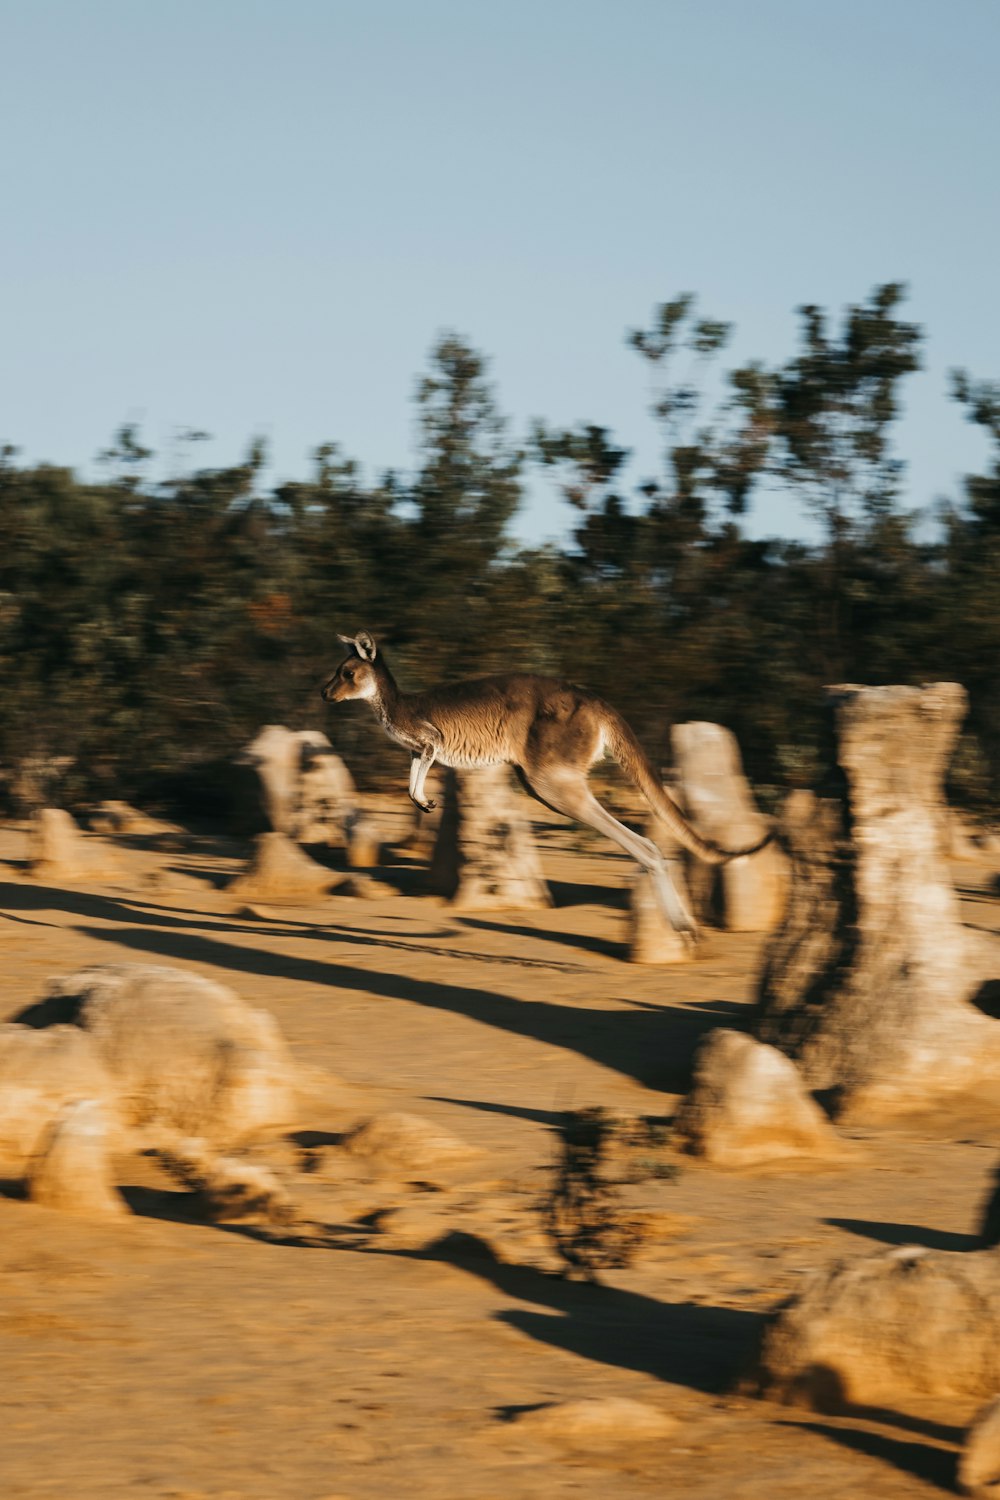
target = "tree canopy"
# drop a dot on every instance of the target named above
(146, 628)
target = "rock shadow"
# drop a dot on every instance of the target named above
(703, 1347)
(548, 1117)
(576, 893)
(175, 1205)
(925, 1461)
(692, 1344)
(887, 1233)
(654, 1044)
(604, 947)
(143, 913)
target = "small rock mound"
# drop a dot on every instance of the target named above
(979, 1461)
(652, 939)
(364, 850)
(748, 1104)
(41, 1073)
(72, 1172)
(597, 1422)
(125, 821)
(412, 1227)
(399, 1142)
(60, 850)
(365, 888)
(229, 1187)
(279, 870)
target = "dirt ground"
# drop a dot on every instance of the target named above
(164, 1356)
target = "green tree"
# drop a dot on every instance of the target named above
(835, 405)
(833, 409)
(462, 499)
(654, 578)
(967, 641)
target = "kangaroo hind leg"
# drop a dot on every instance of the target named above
(567, 792)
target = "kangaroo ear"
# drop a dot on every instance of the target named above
(363, 644)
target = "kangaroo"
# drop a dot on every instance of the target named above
(551, 733)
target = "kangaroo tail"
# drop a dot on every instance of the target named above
(629, 754)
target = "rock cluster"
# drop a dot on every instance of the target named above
(746, 894)
(882, 1329)
(868, 980)
(133, 1056)
(305, 790)
(485, 856)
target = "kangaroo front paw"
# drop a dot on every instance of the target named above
(426, 806)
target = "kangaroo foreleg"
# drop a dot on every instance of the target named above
(419, 767)
(414, 777)
(420, 764)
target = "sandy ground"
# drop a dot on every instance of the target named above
(169, 1357)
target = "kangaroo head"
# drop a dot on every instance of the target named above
(356, 676)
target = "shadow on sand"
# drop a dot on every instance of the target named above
(689, 1344)
(886, 1233)
(685, 1343)
(936, 1465)
(703, 1347)
(650, 1042)
(585, 942)
(653, 1044)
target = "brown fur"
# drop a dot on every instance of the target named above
(549, 730)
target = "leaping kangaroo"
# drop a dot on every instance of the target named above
(550, 732)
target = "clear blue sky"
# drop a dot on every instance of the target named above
(252, 216)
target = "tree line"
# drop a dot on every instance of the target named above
(147, 630)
